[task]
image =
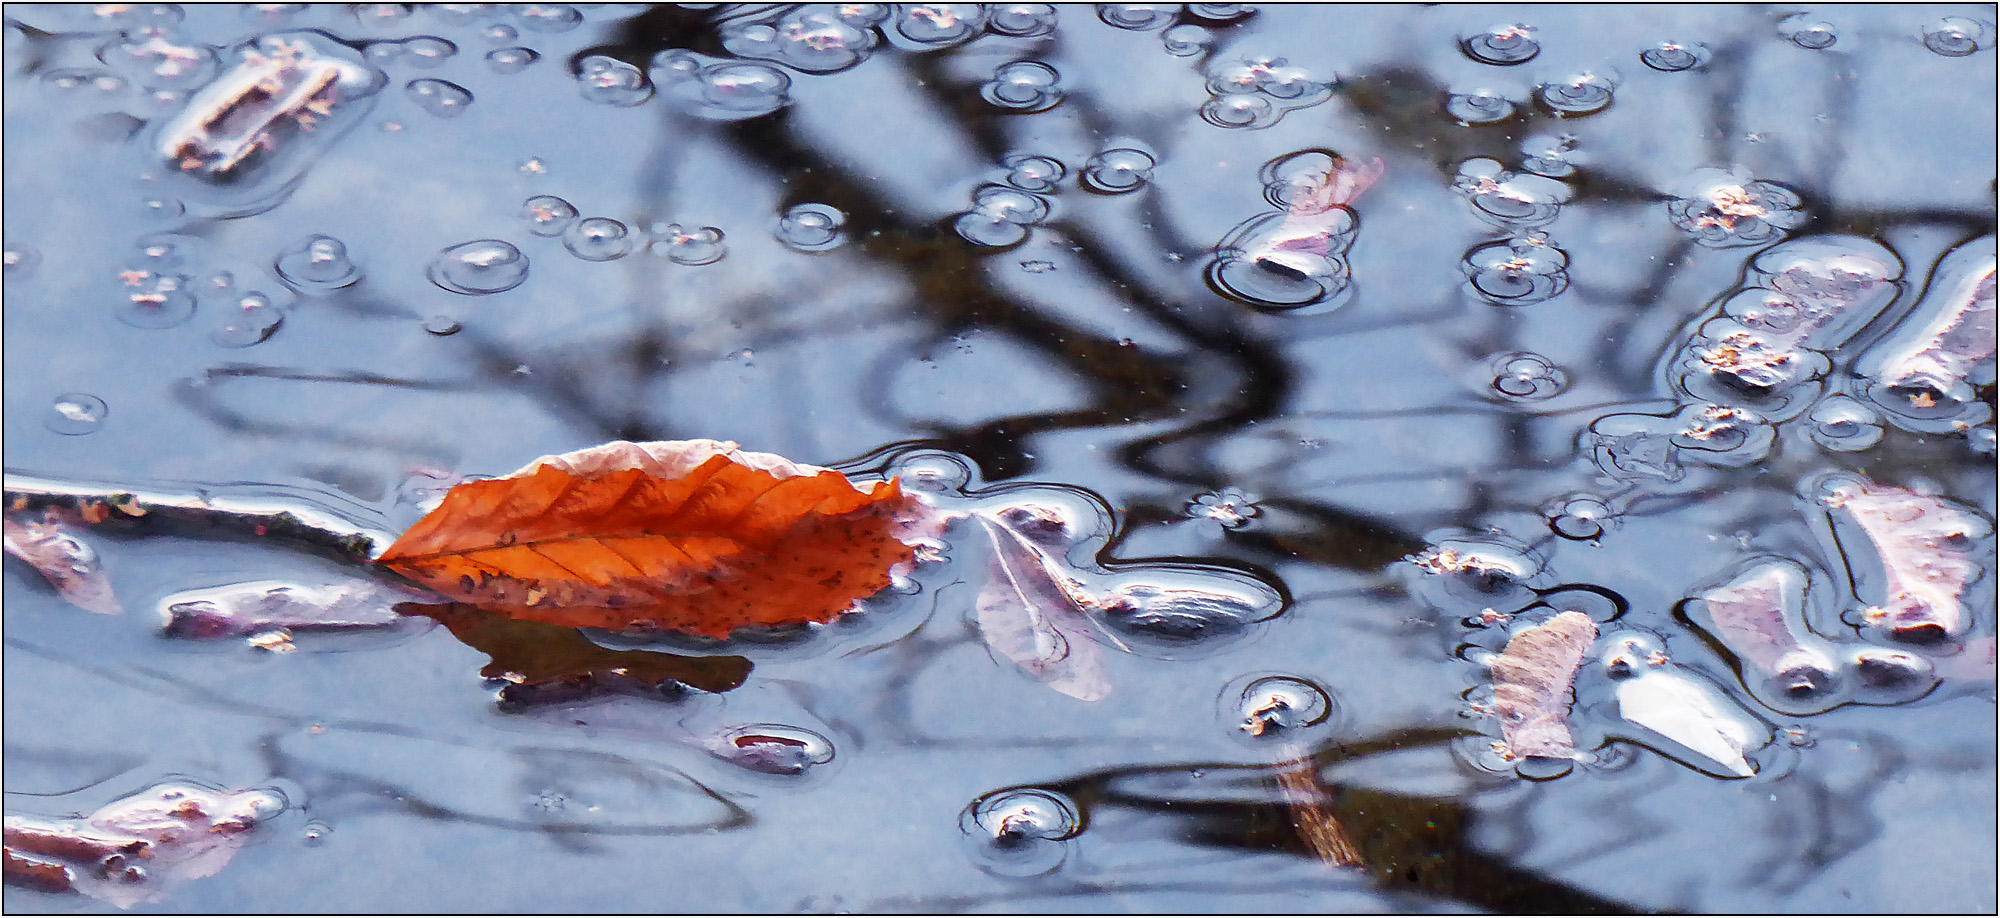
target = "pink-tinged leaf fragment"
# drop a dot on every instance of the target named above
(1032, 614)
(1532, 684)
(69, 564)
(248, 608)
(129, 851)
(1953, 330)
(1925, 546)
(1760, 616)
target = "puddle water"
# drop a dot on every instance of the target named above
(1379, 458)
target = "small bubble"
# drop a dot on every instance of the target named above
(812, 227)
(1503, 45)
(315, 833)
(548, 215)
(250, 320)
(1481, 106)
(1675, 56)
(1020, 833)
(445, 100)
(1957, 36)
(1000, 216)
(1033, 173)
(479, 267)
(720, 89)
(1038, 266)
(701, 245)
(442, 326)
(1517, 272)
(75, 414)
(1137, 17)
(1806, 33)
(774, 749)
(317, 265)
(500, 33)
(163, 303)
(510, 60)
(939, 25)
(1579, 517)
(1022, 20)
(1023, 86)
(548, 18)
(1842, 424)
(1117, 171)
(1582, 94)
(1523, 376)
(598, 239)
(1279, 707)
(18, 260)
(1187, 40)
(610, 81)
(1228, 506)
(428, 51)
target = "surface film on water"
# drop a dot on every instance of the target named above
(1528, 459)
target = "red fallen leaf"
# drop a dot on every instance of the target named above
(688, 535)
(69, 564)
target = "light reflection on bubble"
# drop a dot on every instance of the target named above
(251, 319)
(1020, 833)
(479, 267)
(812, 227)
(510, 60)
(598, 239)
(609, 81)
(1675, 56)
(1118, 171)
(1503, 45)
(1023, 86)
(74, 414)
(438, 97)
(318, 264)
(548, 215)
(692, 246)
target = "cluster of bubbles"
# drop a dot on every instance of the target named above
(423, 51)
(610, 81)
(1631, 447)
(1502, 45)
(686, 245)
(1958, 36)
(150, 58)
(812, 227)
(1521, 376)
(809, 39)
(1726, 208)
(719, 89)
(1003, 211)
(1256, 92)
(1525, 267)
(1675, 56)
(438, 98)
(1295, 257)
(1000, 215)
(1024, 86)
(1228, 506)
(1807, 32)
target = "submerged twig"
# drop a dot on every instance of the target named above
(195, 509)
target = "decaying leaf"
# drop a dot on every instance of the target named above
(1926, 549)
(69, 564)
(1031, 613)
(549, 664)
(126, 851)
(688, 535)
(247, 608)
(1682, 709)
(1532, 685)
(1760, 616)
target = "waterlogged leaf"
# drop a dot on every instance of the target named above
(688, 535)
(1925, 545)
(551, 663)
(133, 848)
(1686, 711)
(69, 564)
(247, 608)
(1030, 613)
(1533, 681)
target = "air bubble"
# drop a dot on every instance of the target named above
(1517, 272)
(720, 89)
(317, 265)
(1482, 106)
(808, 39)
(442, 326)
(598, 239)
(548, 215)
(74, 414)
(1957, 36)
(1549, 156)
(1023, 86)
(1187, 40)
(1806, 33)
(479, 267)
(774, 749)
(1582, 94)
(1000, 216)
(510, 60)
(250, 320)
(499, 33)
(1169, 619)
(812, 227)
(1020, 833)
(156, 63)
(428, 51)
(1117, 171)
(932, 26)
(315, 833)
(1842, 424)
(1137, 17)
(442, 99)
(1502, 45)
(1675, 56)
(548, 18)
(1579, 517)
(701, 245)
(1220, 12)
(1281, 708)
(1228, 506)
(18, 260)
(1022, 20)
(610, 81)
(1507, 199)
(163, 303)
(1257, 92)
(1033, 173)
(1522, 376)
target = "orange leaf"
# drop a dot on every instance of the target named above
(687, 535)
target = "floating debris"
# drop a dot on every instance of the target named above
(1760, 616)
(1925, 548)
(1680, 714)
(133, 849)
(1031, 614)
(70, 565)
(264, 605)
(1533, 685)
(1922, 374)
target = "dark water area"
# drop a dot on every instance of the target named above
(1354, 343)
